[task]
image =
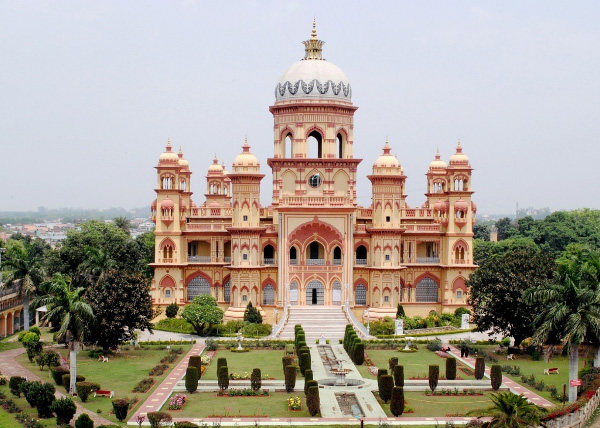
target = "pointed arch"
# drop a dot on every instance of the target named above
(167, 281)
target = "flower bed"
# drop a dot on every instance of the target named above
(247, 392)
(177, 401)
(158, 370)
(246, 376)
(455, 391)
(467, 370)
(425, 376)
(294, 404)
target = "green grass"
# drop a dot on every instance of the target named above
(415, 363)
(121, 374)
(8, 419)
(269, 362)
(438, 406)
(529, 367)
(204, 404)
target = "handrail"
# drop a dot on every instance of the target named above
(356, 323)
(279, 326)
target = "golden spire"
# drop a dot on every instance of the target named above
(313, 47)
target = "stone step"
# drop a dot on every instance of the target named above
(316, 320)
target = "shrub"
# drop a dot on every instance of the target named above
(460, 311)
(308, 376)
(435, 345)
(33, 346)
(85, 389)
(386, 386)
(35, 329)
(25, 387)
(191, 379)
(58, 373)
(479, 368)
(252, 315)
(211, 345)
(42, 394)
(393, 362)
(221, 361)
(290, 378)
(171, 310)
(380, 372)
(399, 376)
(400, 312)
(196, 361)
(64, 409)
(359, 353)
(143, 385)
(22, 335)
(496, 377)
(66, 380)
(312, 400)
(450, 368)
(158, 419)
(434, 376)
(84, 421)
(286, 361)
(304, 361)
(256, 380)
(223, 377)
(48, 358)
(397, 403)
(120, 407)
(14, 384)
(185, 424)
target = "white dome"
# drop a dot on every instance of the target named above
(313, 78)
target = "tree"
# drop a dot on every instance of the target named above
(65, 303)
(400, 312)
(202, 312)
(24, 262)
(570, 306)
(506, 271)
(123, 223)
(511, 411)
(122, 303)
(252, 315)
(399, 376)
(64, 409)
(481, 231)
(504, 226)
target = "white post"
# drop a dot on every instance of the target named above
(573, 360)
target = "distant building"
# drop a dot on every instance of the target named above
(314, 245)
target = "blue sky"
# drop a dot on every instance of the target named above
(92, 90)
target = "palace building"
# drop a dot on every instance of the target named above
(313, 245)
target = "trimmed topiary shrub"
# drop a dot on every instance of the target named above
(256, 379)
(171, 310)
(196, 361)
(158, 419)
(290, 378)
(386, 386)
(434, 377)
(308, 376)
(121, 407)
(380, 372)
(399, 376)
(304, 361)
(393, 362)
(450, 368)
(496, 376)
(221, 361)
(58, 373)
(14, 384)
(397, 402)
(66, 380)
(64, 409)
(223, 377)
(84, 421)
(85, 389)
(308, 384)
(479, 368)
(191, 379)
(312, 400)
(359, 353)
(286, 361)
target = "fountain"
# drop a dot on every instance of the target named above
(340, 374)
(239, 340)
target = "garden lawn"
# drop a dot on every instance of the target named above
(415, 363)
(8, 419)
(440, 405)
(204, 404)
(529, 367)
(269, 363)
(121, 374)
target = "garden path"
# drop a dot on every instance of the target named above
(9, 366)
(509, 383)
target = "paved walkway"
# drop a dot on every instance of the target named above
(11, 367)
(509, 383)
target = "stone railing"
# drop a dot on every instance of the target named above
(279, 326)
(361, 262)
(268, 261)
(428, 259)
(362, 330)
(315, 262)
(577, 418)
(199, 259)
(227, 259)
(293, 261)
(337, 262)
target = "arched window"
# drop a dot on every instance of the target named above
(288, 144)
(268, 255)
(360, 295)
(340, 141)
(196, 287)
(167, 252)
(315, 141)
(337, 256)
(293, 256)
(315, 254)
(361, 255)
(268, 295)
(294, 293)
(427, 290)
(227, 291)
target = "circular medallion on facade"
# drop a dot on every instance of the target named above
(314, 180)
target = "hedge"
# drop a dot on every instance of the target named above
(64, 409)
(393, 362)
(223, 377)
(58, 373)
(304, 362)
(359, 354)
(158, 419)
(85, 389)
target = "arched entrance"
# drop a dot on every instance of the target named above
(336, 298)
(315, 293)
(294, 293)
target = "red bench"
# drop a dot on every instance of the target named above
(553, 370)
(104, 393)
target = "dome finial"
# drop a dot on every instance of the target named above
(215, 160)
(246, 147)
(386, 148)
(459, 147)
(313, 47)
(168, 144)
(180, 152)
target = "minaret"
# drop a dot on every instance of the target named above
(217, 186)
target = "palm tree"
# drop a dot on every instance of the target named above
(25, 273)
(65, 303)
(511, 411)
(97, 263)
(570, 307)
(123, 223)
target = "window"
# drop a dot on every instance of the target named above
(388, 218)
(314, 180)
(427, 290)
(244, 298)
(340, 146)
(387, 257)
(360, 295)
(459, 294)
(245, 256)
(227, 291)
(167, 293)
(293, 253)
(315, 139)
(361, 255)
(196, 287)
(268, 295)
(386, 299)
(245, 218)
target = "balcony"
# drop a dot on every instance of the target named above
(428, 260)
(337, 262)
(199, 259)
(267, 261)
(227, 259)
(293, 261)
(165, 260)
(361, 262)
(459, 261)
(315, 262)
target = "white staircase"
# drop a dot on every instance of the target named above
(316, 320)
